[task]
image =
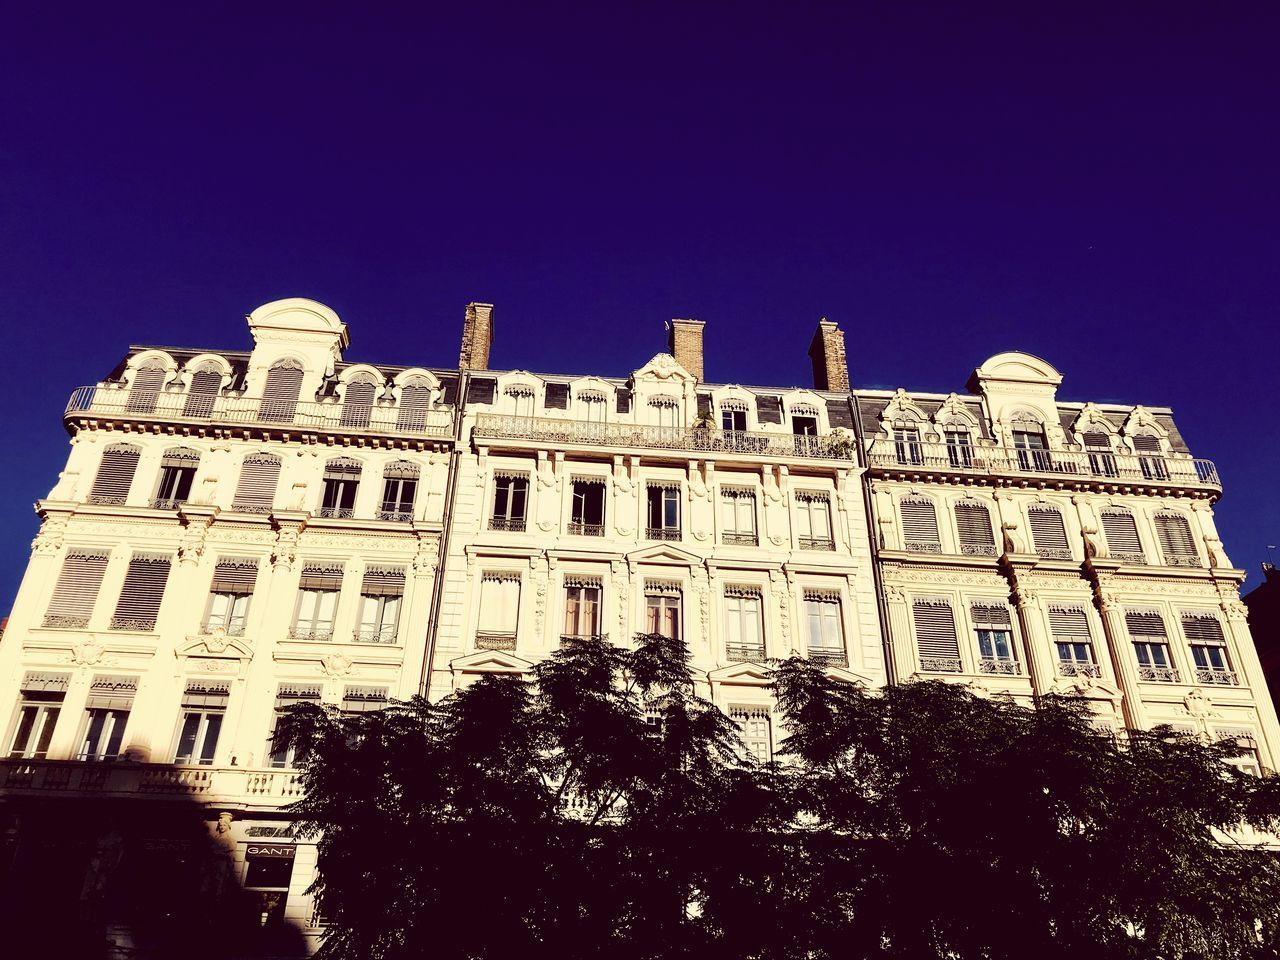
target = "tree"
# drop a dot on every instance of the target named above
(604, 807)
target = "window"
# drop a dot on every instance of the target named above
(203, 392)
(510, 494)
(144, 391)
(738, 516)
(1070, 628)
(341, 479)
(804, 421)
(733, 416)
(1208, 649)
(666, 410)
(415, 401)
(959, 445)
(499, 611)
(936, 640)
(586, 516)
(177, 472)
(399, 487)
(280, 392)
(973, 529)
(233, 582)
(256, 489)
(906, 444)
(204, 705)
(1031, 447)
(919, 525)
(1248, 760)
(1048, 534)
(744, 627)
(522, 397)
(115, 474)
(357, 401)
(1122, 536)
(268, 873)
(287, 694)
(662, 608)
(1150, 646)
(38, 709)
(663, 511)
(317, 601)
(813, 520)
(755, 729)
(1102, 463)
(381, 594)
(1153, 466)
(825, 628)
(143, 589)
(593, 404)
(106, 714)
(1177, 545)
(77, 589)
(581, 607)
(360, 699)
(994, 633)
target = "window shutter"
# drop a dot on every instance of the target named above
(936, 636)
(1146, 443)
(1176, 541)
(1122, 535)
(920, 525)
(357, 403)
(1069, 623)
(115, 474)
(111, 693)
(321, 576)
(973, 524)
(1145, 624)
(205, 386)
(77, 589)
(234, 575)
(145, 389)
(142, 592)
(1049, 534)
(280, 394)
(990, 615)
(256, 489)
(383, 582)
(1096, 438)
(415, 398)
(1202, 628)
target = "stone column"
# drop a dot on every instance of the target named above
(1031, 621)
(1122, 661)
(905, 661)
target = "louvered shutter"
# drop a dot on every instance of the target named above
(973, 524)
(142, 592)
(1145, 625)
(415, 398)
(936, 637)
(115, 474)
(1069, 623)
(383, 582)
(280, 394)
(77, 589)
(1202, 628)
(256, 489)
(1096, 438)
(357, 403)
(205, 384)
(990, 615)
(920, 525)
(1176, 541)
(1122, 535)
(145, 389)
(1049, 534)
(234, 575)
(1145, 443)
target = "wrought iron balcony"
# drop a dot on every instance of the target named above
(139, 625)
(744, 653)
(169, 504)
(647, 437)
(336, 513)
(1158, 674)
(1075, 668)
(828, 657)
(578, 529)
(324, 633)
(941, 665)
(662, 533)
(495, 641)
(817, 543)
(923, 546)
(740, 539)
(215, 629)
(397, 516)
(999, 665)
(384, 634)
(511, 524)
(109, 402)
(1222, 678)
(930, 458)
(569, 639)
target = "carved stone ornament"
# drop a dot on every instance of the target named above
(1196, 704)
(337, 665)
(49, 540)
(87, 653)
(663, 367)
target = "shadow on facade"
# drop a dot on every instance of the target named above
(109, 878)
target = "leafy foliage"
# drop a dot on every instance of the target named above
(606, 808)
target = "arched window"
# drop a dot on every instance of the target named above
(1029, 442)
(341, 479)
(256, 491)
(148, 380)
(177, 473)
(357, 401)
(920, 525)
(206, 382)
(1147, 445)
(1048, 533)
(906, 441)
(399, 490)
(415, 400)
(959, 443)
(1177, 544)
(280, 394)
(973, 529)
(1121, 532)
(115, 474)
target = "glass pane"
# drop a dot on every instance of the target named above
(115, 732)
(212, 729)
(48, 720)
(93, 735)
(187, 738)
(22, 736)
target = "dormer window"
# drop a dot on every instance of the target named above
(415, 400)
(959, 445)
(357, 401)
(280, 393)
(1030, 444)
(906, 442)
(205, 384)
(733, 416)
(593, 403)
(804, 420)
(667, 410)
(521, 395)
(145, 389)
(1152, 464)
(1098, 445)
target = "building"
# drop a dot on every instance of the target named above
(236, 531)
(1263, 603)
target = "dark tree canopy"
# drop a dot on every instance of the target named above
(606, 809)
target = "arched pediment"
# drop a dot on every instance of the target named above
(416, 375)
(1017, 367)
(361, 373)
(1142, 420)
(900, 408)
(954, 410)
(1091, 417)
(298, 314)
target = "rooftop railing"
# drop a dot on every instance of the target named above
(649, 437)
(119, 403)
(1063, 464)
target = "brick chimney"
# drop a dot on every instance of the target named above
(477, 337)
(684, 342)
(830, 368)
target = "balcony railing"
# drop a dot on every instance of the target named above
(739, 539)
(1077, 668)
(384, 634)
(1064, 464)
(662, 533)
(999, 665)
(941, 665)
(1222, 678)
(586, 529)
(828, 658)
(1158, 674)
(120, 403)
(311, 633)
(697, 440)
(744, 653)
(495, 641)
(817, 543)
(125, 778)
(511, 524)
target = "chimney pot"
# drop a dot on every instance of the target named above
(684, 342)
(830, 367)
(477, 337)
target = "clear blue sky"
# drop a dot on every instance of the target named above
(1096, 185)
